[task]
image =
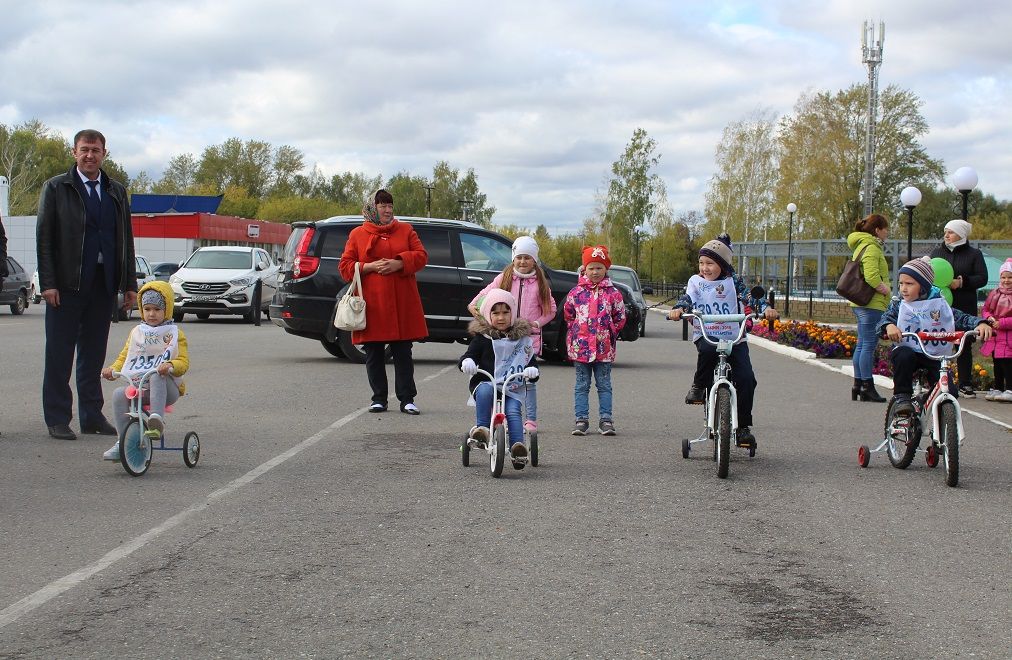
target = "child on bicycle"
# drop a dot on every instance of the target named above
(158, 343)
(920, 307)
(998, 311)
(525, 279)
(501, 345)
(595, 313)
(717, 289)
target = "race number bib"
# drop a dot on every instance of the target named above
(512, 356)
(932, 315)
(714, 297)
(150, 347)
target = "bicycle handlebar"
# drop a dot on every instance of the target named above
(951, 337)
(721, 318)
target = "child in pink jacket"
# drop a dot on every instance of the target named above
(595, 313)
(525, 279)
(998, 312)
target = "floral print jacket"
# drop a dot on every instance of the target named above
(594, 315)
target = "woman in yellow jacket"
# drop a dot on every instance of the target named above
(156, 343)
(866, 241)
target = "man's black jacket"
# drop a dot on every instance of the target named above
(60, 233)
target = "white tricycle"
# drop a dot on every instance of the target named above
(137, 442)
(497, 446)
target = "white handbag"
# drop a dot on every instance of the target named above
(350, 314)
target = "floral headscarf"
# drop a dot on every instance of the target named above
(369, 211)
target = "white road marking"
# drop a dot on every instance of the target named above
(12, 613)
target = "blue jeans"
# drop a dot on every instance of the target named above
(531, 404)
(483, 412)
(864, 350)
(601, 372)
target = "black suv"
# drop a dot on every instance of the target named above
(463, 259)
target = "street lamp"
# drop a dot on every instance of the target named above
(465, 208)
(910, 197)
(792, 208)
(965, 179)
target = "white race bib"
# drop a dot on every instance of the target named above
(512, 356)
(932, 315)
(714, 297)
(150, 347)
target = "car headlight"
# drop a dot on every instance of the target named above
(175, 279)
(243, 281)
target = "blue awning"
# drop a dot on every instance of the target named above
(175, 203)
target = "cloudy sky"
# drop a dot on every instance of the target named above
(538, 97)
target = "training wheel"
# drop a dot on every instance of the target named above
(863, 456)
(685, 447)
(465, 452)
(931, 456)
(534, 448)
(191, 449)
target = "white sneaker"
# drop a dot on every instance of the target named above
(992, 395)
(1004, 397)
(112, 454)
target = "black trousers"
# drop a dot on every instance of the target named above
(742, 375)
(905, 362)
(80, 324)
(1003, 374)
(404, 370)
(965, 363)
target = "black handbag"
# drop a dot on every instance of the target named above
(852, 284)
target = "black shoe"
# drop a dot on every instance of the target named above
(855, 391)
(102, 428)
(902, 406)
(967, 392)
(580, 427)
(868, 392)
(410, 408)
(62, 432)
(696, 395)
(377, 407)
(745, 437)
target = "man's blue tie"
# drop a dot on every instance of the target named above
(91, 189)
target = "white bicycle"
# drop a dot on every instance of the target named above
(497, 445)
(721, 404)
(937, 411)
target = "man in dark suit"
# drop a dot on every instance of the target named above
(86, 256)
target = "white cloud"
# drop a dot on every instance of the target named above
(539, 98)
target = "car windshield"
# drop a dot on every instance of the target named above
(221, 259)
(624, 277)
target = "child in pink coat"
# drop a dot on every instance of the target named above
(998, 312)
(525, 279)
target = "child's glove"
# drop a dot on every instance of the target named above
(469, 367)
(530, 373)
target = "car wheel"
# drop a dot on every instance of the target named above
(255, 307)
(354, 352)
(177, 317)
(333, 348)
(20, 304)
(203, 316)
(643, 326)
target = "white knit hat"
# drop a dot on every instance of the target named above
(525, 245)
(961, 227)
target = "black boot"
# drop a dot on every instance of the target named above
(868, 392)
(855, 391)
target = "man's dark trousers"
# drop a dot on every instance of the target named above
(80, 323)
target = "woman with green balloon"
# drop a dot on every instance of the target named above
(959, 271)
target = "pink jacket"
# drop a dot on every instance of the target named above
(1000, 345)
(595, 315)
(526, 293)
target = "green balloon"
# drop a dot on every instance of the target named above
(943, 274)
(947, 294)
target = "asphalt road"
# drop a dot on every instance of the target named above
(313, 529)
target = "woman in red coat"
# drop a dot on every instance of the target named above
(388, 253)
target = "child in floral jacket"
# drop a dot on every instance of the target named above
(594, 312)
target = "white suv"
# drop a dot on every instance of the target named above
(225, 280)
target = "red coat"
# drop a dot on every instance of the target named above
(393, 308)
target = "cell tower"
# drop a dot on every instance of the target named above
(871, 53)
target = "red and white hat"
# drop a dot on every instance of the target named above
(596, 254)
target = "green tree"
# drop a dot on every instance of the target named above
(238, 202)
(740, 198)
(291, 209)
(141, 184)
(822, 158)
(629, 204)
(179, 176)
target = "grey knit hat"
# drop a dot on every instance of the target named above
(153, 297)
